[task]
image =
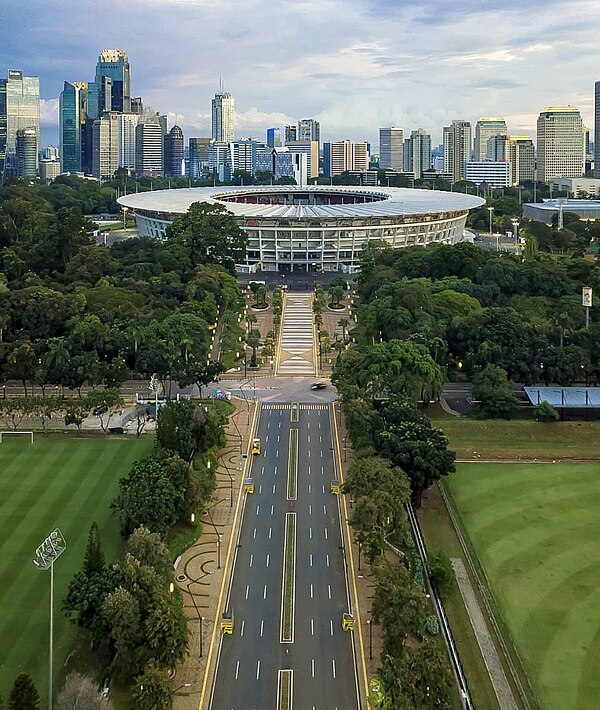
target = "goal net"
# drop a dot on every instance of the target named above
(16, 433)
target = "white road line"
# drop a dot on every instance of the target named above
(308, 439)
(277, 454)
(308, 452)
(268, 557)
(319, 425)
(322, 471)
(273, 488)
(243, 627)
(258, 670)
(309, 470)
(323, 489)
(265, 592)
(326, 533)
(311, 592)
(309, 488)
(329, 590)
(324, 509)
(247, 590)
(327, 559)
(262, 471)
(267, 439)
(257, 509)
(310, 509)
(271, 532)
(237, 670)
(308, 425)
(330, 626)
(332, 666)
(321, 454)
(262, 627)
(310, 559)
(254, 535)
(275, 470)
(310, 533)
(251, 559)
(312, 627)
(320, 440)
(312, 667)
(268, 425)
(260, 489)
(278, 438)
(271, 510)
(280, 425)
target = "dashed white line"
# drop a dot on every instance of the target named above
(308, 425)
(310, 559)
(277, 454)
(271, 532)
(262, 626)
(308, 452)
(268, 425)
(251, 559)
(326, 533)
(254, 535)
(319, 425)
(275, 470)
(273, 488)
(268, 558)
(308, 439)
(278, 438)
(258, 670)
(257, 509)
(280, 425)
(332, 666)
(327, 559)
(320, 440)
(243, 627)
(330, 627)
(322, 471)
(267, 439)
(329, 590)
(323, 489)
(324, 509)
(265, 592)
(271, 510)
(262, 471)
(237, 670)
(321, 454)
(310, 533)
(310, 508)
(309, 470)
(247, 590)
(312, 627)
(309, 488)
(311, 592)
(260, 489)
(312, 667)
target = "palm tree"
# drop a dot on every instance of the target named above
(250, 320)
(344, 323)
(253, 340)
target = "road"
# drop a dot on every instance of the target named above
(289, 646)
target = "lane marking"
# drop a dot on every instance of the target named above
(237, 670)
(243, 627)
(308, 452)
(331, 626)
(247, 590)
(312, 627)
(275, 470)
(262, 627)
(273, 488)
(310, 508)
(271, 510)
(285, 689)
(292, 478)
(257, 509)
(324, 509)
(267, 439)
(309, 488)
(294, 412)
(333, 666)
(270, 532)
(262, 471)
(251, 559)
(278, 438)
(265, 592)
(308, 439)
(309, 470)
(258, 670)
(268, 557)
(320, 440)
(326, 533)
(310, 559)
(310, 533)
(312, 667)
(327, 559)
(312, 596)
(260, 489)
(322, 471)
(288, 586)
(329, 590)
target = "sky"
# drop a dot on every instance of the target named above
(354, 65)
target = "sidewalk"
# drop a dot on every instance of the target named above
(202, 569)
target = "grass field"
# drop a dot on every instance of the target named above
(534, 528)
(496, 438)
(56, 482)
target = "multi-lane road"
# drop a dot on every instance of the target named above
(289, 587)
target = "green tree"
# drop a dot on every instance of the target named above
(493, 395)
(111, 397)
(545, 412)
(441, 573)
(152, 689)
(24, 694)
(210, 235)
(94, 555)
(344, 324)
(253, 340)
(149, 549)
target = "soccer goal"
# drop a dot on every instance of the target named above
(15, 433)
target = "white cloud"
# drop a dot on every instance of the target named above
(49, 112)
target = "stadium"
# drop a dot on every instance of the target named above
(319, 227)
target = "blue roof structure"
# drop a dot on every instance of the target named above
(565, 397)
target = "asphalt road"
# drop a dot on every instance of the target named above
(320, 654)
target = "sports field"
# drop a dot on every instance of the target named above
(536, 531)
(56, 482)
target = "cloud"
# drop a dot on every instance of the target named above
(49, 112)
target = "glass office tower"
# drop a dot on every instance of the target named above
(72, 115)
(19, 108)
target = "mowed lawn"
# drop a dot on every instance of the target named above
(56, 482)
(536, 531)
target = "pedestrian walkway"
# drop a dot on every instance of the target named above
(297, 342)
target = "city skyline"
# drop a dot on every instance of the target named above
(352, 66)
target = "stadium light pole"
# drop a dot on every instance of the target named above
(45, 557)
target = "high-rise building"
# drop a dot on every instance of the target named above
(497, 148)
(223, 117)
(291, 133)
(311, 149)
(174, 152)
(19, 108)
(72, 115)
(343, 156)
(243, 156)
(309, 130)
(457, 148)
(137, 105)
(110, 90)
(127, 123)
(521, 154)
(50, 152)
(219, 160)
(149, 144)
(391, 149)
(485, 128)
(26, 152)
(197, 156)
(596, 129)
(273, 137)
(560, 143)
(48, 169)
(494, 173)
(283, 162)
(105, 145)
(417, 153)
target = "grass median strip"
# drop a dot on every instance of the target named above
(285, 690)
(288, 592)
(292, 480)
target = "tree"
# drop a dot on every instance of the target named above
(210, 235)
(441, 573)
(147, 497)
(81, 692)
(253, 340)
(493, 395)
(24, 694)
(84, 603)
(111, 397)
(545, 412)
(94, 555)
(344, 324)
(76, 411)
(152, 689)
(174, 430)
(149, 549)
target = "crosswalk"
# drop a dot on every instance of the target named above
(296, 353)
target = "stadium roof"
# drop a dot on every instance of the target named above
(392, 202)
(565, 397)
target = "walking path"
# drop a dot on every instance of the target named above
(296, 356)
(488, 650)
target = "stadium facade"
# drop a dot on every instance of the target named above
(318, 227)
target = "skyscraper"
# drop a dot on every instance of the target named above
(417, 153)
(197, 156)
(110, 90)
(311, 149)
(149, 144)
(596, 129)
(273, 137)
(223, 117)
(391, 148)
(485, 128)
(457, 148)
(105, 145)
(127, 123)
(72, 114)
(343, 156)
(174, 152)
(521, 154)
(309, 130)
(291, 133)
(560, 143)
(19, 108)
(26, 152)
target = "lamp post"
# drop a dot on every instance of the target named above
(515, 224)
(45, 557)
(370, 625)
(491, 211)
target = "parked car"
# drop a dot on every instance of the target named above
(102, 409)
(318, 386)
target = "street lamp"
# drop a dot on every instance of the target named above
(370, 625)
(515, 224)
(45, 557)
(491, 211)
